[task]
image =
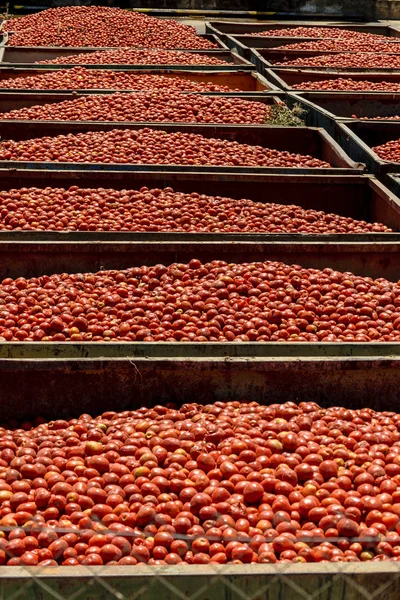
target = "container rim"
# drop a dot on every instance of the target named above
(193, 351)
(369, 568)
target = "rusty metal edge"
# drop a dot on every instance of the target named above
(367, 568)
(357, 149)
(211, 351)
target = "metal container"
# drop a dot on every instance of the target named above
(68, 379)
(15, 100)
(35, 258)
(302, 140)
(360, 197)
(349, 107)
(243, 43)
(27, 57)
(324, 109)
(246, 82)
(31, 254)
(94, 376)
(268, 58)
(287, 78)
(359, 137)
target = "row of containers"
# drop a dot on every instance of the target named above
(356, 184)
(353, 93)
(58, 380)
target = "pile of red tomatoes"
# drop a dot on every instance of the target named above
(231, 482)
(195, 302)
(101, 26)
(81, 78)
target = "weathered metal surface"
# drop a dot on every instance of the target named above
(393, 183)
(30, 259)
(94, 386)
(359, 137)
(147, 374)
